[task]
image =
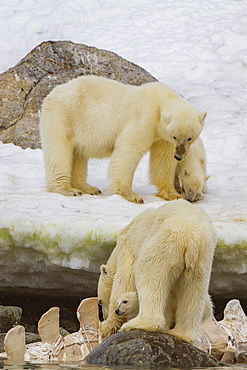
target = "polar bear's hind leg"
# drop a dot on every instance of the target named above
(79, 174)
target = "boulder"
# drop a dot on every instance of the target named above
(9, 316)
(23, 88)
(145, 349)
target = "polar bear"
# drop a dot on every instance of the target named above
(164, 250)
(107, 273)
(96, 117)
(128, 303)
(191, 174)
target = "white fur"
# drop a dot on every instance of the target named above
(165, 253)
(191, 174)
(95, 117)
(128, 306)
(107, 273)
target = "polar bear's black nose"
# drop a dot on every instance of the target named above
(177, 158)
(117, 311)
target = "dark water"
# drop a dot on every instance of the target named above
(10, 365)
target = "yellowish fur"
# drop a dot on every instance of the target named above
(128, 308)
(191, 174)
(165, 251)
(95, 117)
(107, 273)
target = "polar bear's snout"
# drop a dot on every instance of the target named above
(180, 152)
(118, 312)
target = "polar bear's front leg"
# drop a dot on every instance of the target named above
(110, 326)
(123, 282)
(163, 168)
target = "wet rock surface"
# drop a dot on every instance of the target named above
(144, 349)
(23, 87)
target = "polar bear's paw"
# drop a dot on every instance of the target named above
(88, 189)
(109, 327)
(168, 195)
(185, 337)
(130, 196)
(143, 324)
(66, 190)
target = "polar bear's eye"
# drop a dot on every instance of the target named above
(124, 302)
(174, 137)
(189, 139)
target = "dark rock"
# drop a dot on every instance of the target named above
(69, 325)
(63, 332)
(242, 358)
(9, 316)
(23, 88)
(144, 349)
(32, 338)
(2, 336)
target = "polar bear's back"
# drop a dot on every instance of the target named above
(182, 229)
(91, 110)
(180, 214)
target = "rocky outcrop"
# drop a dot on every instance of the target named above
(9, 316)
(23, 88)
(140, 348)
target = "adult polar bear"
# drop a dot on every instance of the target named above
(95, 117)
(165, 253)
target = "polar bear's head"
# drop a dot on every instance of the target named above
(183, 130)
(128, 305)
(194, 186)
(104, 289)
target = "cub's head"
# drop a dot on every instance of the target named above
(183, 130)
(128, 305)
(194, 186)
(104, 289)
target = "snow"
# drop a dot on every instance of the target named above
(199, 48)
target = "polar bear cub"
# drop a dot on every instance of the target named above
(164, 251)
(107, 273)
(128, 306)
(191, 173)
(96, 117)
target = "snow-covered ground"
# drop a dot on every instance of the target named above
(199, 48)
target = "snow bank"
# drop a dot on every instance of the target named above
(199, 49)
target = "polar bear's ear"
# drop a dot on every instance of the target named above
(166, 118)
(104, 270)
(202, 117)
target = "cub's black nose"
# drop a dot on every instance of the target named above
(117, 311)
(177, 158)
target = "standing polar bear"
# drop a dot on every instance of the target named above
(95, 117)
(163, 254)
